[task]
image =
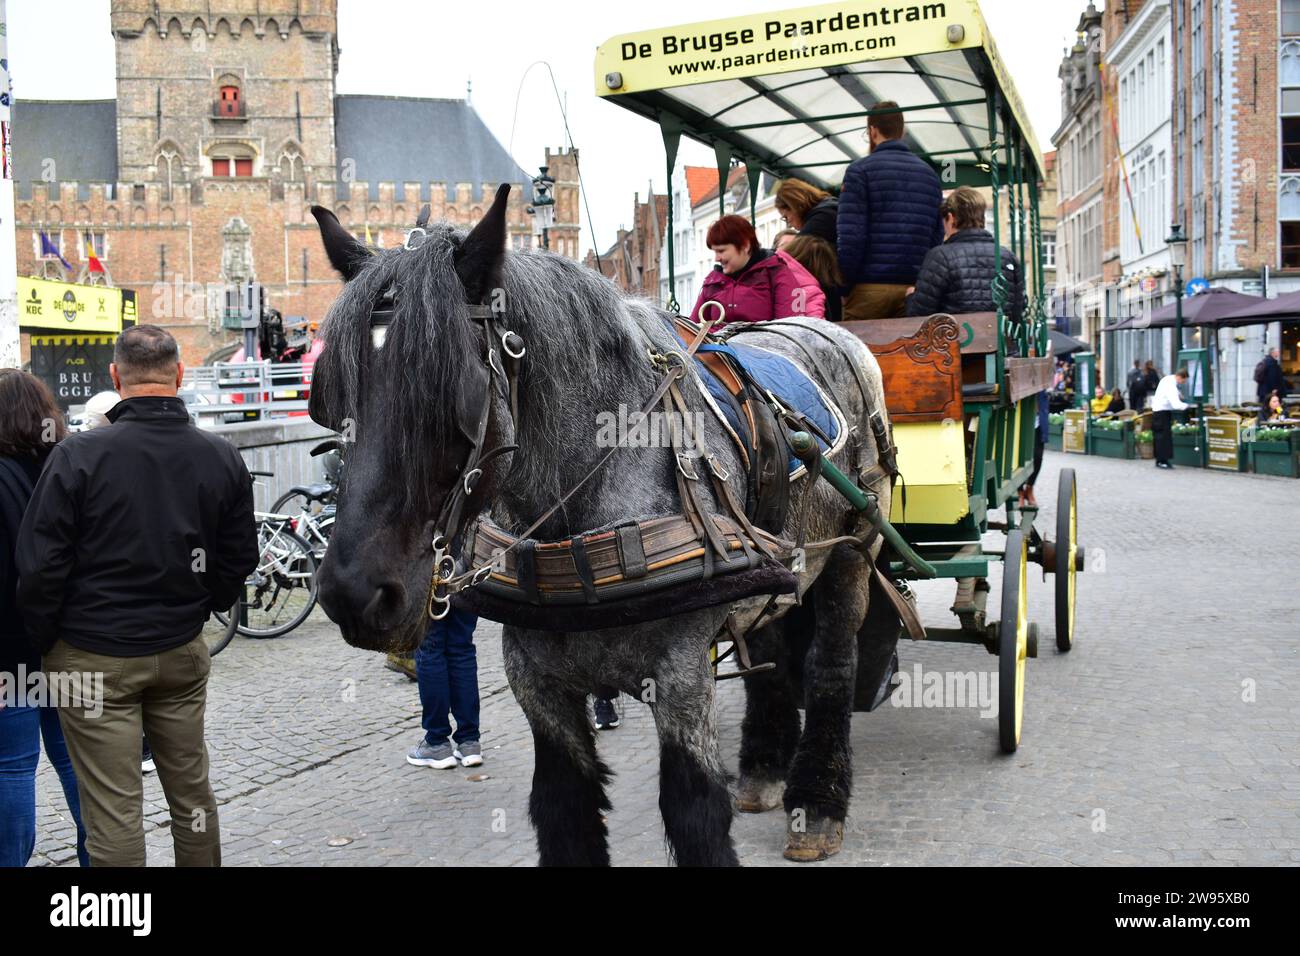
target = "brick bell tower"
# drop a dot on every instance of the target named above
(240, 89)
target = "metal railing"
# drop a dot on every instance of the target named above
(246, 391)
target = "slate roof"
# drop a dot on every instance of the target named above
(80, 136)
(401, 139)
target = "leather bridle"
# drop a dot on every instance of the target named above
(503, 368)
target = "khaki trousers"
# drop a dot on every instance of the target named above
(873, 301)
(164, 696)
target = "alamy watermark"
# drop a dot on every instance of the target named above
(70, 689)
(932, 688)
(636, 429)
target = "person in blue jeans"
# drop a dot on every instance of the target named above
(21, 732)
(446, 668)
(25, 440)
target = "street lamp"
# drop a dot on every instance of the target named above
(1177, 243)
(543, 206)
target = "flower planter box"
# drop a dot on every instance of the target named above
(1274, 458)
(1054, 436)
(1187, 451)
(1106, 443)
(1146, 450)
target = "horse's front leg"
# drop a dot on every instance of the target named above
(693, 795)
(821, 774)
(568, 801)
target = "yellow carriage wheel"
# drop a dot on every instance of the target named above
(1013, 641)
(1067, 557)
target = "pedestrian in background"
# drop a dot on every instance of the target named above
(888, 219)
(1271, 409)
(604, 712)
(1136, 386)
(1100, 401)
(29, 428)
(446, 671)
(1268, 377)
(1150, 379)
(134, 535)
(1041, 425)
(1167, 401)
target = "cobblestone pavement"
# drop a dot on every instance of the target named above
(1168, 735)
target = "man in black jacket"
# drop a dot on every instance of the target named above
(1271, 380)
(957, 276)
(135, 532)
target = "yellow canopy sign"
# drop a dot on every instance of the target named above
(50, 306)
(831, 34)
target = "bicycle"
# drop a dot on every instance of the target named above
(280, 592)
(313, 506)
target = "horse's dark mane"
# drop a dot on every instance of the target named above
(579, 329)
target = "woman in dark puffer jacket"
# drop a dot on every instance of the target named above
(957, 276)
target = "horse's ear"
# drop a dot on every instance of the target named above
(345, 254)
(478, 260)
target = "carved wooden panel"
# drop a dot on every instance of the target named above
(921, 370)
(977, 332)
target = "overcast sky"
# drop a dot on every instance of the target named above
(64, 50)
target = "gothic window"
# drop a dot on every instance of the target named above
(291, 163)
(170, 167)
(229, 103)
(1288, 200)
(1290, 65)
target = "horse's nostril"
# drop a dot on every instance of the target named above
(385, 605)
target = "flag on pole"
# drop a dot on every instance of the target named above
(95, 264)
(49, 249)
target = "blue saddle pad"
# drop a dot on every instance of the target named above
(782, 378)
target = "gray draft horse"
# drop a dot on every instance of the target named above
(403, 404)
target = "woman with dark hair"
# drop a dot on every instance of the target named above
(1116, 404)
(812, 211)
(751, 283)
(818, 257)
(30, 426)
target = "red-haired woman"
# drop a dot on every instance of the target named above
(753, 284)
(30, 426)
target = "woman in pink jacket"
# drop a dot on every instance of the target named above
(753, 284)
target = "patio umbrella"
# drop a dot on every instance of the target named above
(1207, 308)
(1285, 308)
(1063, 344)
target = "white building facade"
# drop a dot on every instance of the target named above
(1141, 64)
(683, 246)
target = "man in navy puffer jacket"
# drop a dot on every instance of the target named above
(888, 220)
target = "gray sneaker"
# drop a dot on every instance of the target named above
(440, 757)
(469, 753)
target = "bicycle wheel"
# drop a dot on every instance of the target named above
(281, 591)
(220, 631)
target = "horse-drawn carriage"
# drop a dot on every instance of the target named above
(472, 382)
(789, 93)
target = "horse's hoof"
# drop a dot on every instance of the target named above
(755, 795)
(819, 839)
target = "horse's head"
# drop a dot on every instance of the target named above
(403, 378)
